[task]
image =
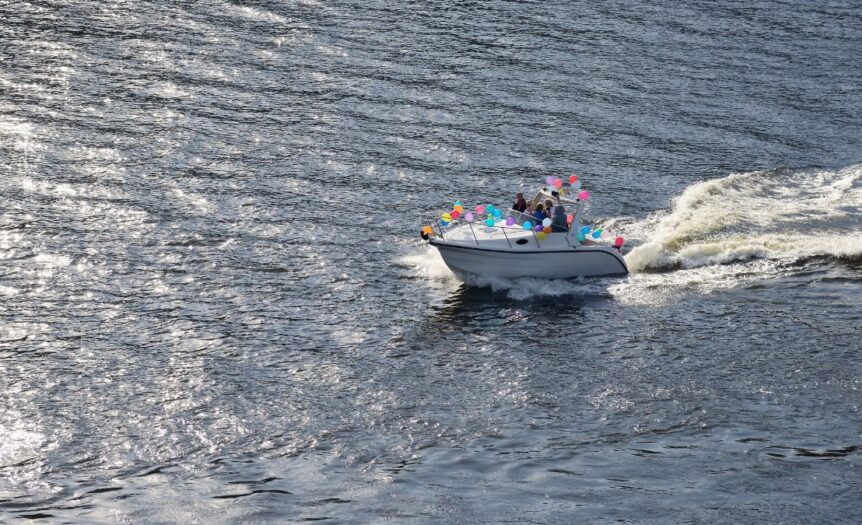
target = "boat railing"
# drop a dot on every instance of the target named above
(506, 230)
(517, 226)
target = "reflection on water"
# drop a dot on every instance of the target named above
(214, 305)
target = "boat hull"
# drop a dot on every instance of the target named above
(584, 261)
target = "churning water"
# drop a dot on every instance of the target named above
(215, 307)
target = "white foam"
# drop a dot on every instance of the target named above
(752, 216)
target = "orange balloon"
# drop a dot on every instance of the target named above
(427, 230)
(546, 229)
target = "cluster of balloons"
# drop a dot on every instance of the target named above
(492, 214)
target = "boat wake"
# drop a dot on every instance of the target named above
(776, 215)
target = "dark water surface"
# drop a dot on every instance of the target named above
(215, 308)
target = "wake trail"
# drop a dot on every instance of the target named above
(781, 214)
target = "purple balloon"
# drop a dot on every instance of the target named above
(510, 221)
(539, 228)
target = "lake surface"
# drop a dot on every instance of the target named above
(215, 306)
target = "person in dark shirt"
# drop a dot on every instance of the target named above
(520, 203)
(539, 214)
(561, 222)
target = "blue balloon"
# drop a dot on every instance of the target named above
(497, 213)
(528, 226)
(597, 234)
(585, 230)
(444, 223)
(489, 221)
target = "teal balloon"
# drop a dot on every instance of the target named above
(489, 221)
(458, 203)
(582, 237)
(528, 225)
(497, 213)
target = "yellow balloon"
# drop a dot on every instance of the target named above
(446, 217)
(541, 236)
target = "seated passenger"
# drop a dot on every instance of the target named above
(539, 214)
(561, 223)
(520, 204)
(549, 208)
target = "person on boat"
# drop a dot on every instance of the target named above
(539, 214)
(520, 203)
(561, 223)
(529, 211)
(549, 208)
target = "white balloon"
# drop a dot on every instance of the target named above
(547, 222)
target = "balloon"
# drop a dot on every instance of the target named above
(490, 208)
(458, 203)
(549, 180)
(510, 221)
(546, 229)
(558, 183)
(570, 218)
(458, 208)
(539, 227)
(541, 236)
(573, 178)
(489, 221)
(446, 217)
(528, 226)
(427, 230)
(547, 222)
(597, 234)
(480, 209)
(455, 214)
(469, 217)
(618, 242)
(584, 195)
(585, 230)
(444, 223)
(497, 213)
(581, 237)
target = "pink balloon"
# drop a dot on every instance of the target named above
(584, 195)
(618, 242)
(570, 218)
(480, 209)
(510, 221)
(455, 214)
(469, 217)
(573, 179)
(558, 183)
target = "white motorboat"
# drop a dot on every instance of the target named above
(507, 244)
